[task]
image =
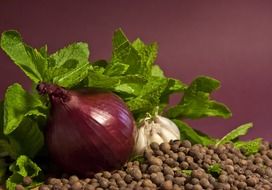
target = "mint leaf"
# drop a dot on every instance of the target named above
(138, 56)
(22, 167)
(149, 98)
(116, 69)
(196, 102)
(123, 85)
(188, 173)
(27, 139)
(215, 170)
(123, 52)
(186, 132)
(70, 65)
(19, 104)
(78, 52)
(3, 170)
(1, 119)
(249, 147)
(234, 134)
(6, 149)
(148, 55)
(28, 59)
(157, 71)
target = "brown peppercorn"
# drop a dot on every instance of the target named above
(19, 187)
(106, 174)
(173, 155)
(189, 186)
(148, 153)
(155, 161)
(148, 183)
(165, 147)
(229, 169)
(223, 178)
(269, 154)
(198, 173)
(157, 178)
(154, 146)
(27, 181)
(186, 144)
(154, 169)
(76, 185)
(184, 165)
(179, 180)
(194, 181)
(252, 181)
(169, 177)
(168, 171)
(128, 178)
(197, 187)
(167, 185)
(43, 187)
(158, 153)
(181, 156)
(104, 183)
(241, 185)
(171, 162)
(136, 174)
(204, 182)
(116, 176)
(193, 166)
(175, 148)
(54, 181)
(268, 172)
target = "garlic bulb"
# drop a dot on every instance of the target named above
(158, 129)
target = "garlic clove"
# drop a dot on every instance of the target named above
(168, 124)
(168, 135)
(141, 141)
(155, 137)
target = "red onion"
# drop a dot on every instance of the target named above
(88, 130)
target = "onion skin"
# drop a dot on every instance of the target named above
(88, 131)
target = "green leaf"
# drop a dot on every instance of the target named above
(27, 139)
(116, 69)
(149, 97)
(157, 71)
(139, 158)
(234, 134)
(1, 119)
(19, 104)
(127, 84)
(70, 77)
(28, 59)
(196, 102)
(148, 55)
(3, 170)
(188, 133)
(6, 149)
(138, 56)
(70, 65)
(22, 167)
(187, 172)
(123, 52)
(78, 52)
(249, 147)
(215, 170)
(99, 80)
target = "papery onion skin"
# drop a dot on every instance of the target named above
(88, 131)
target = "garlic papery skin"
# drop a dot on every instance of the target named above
(168, 124)
(157, 129)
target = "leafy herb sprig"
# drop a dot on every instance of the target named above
(131, 73)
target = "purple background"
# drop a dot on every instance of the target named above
(229, 40)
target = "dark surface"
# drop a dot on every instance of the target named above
(228, 40)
